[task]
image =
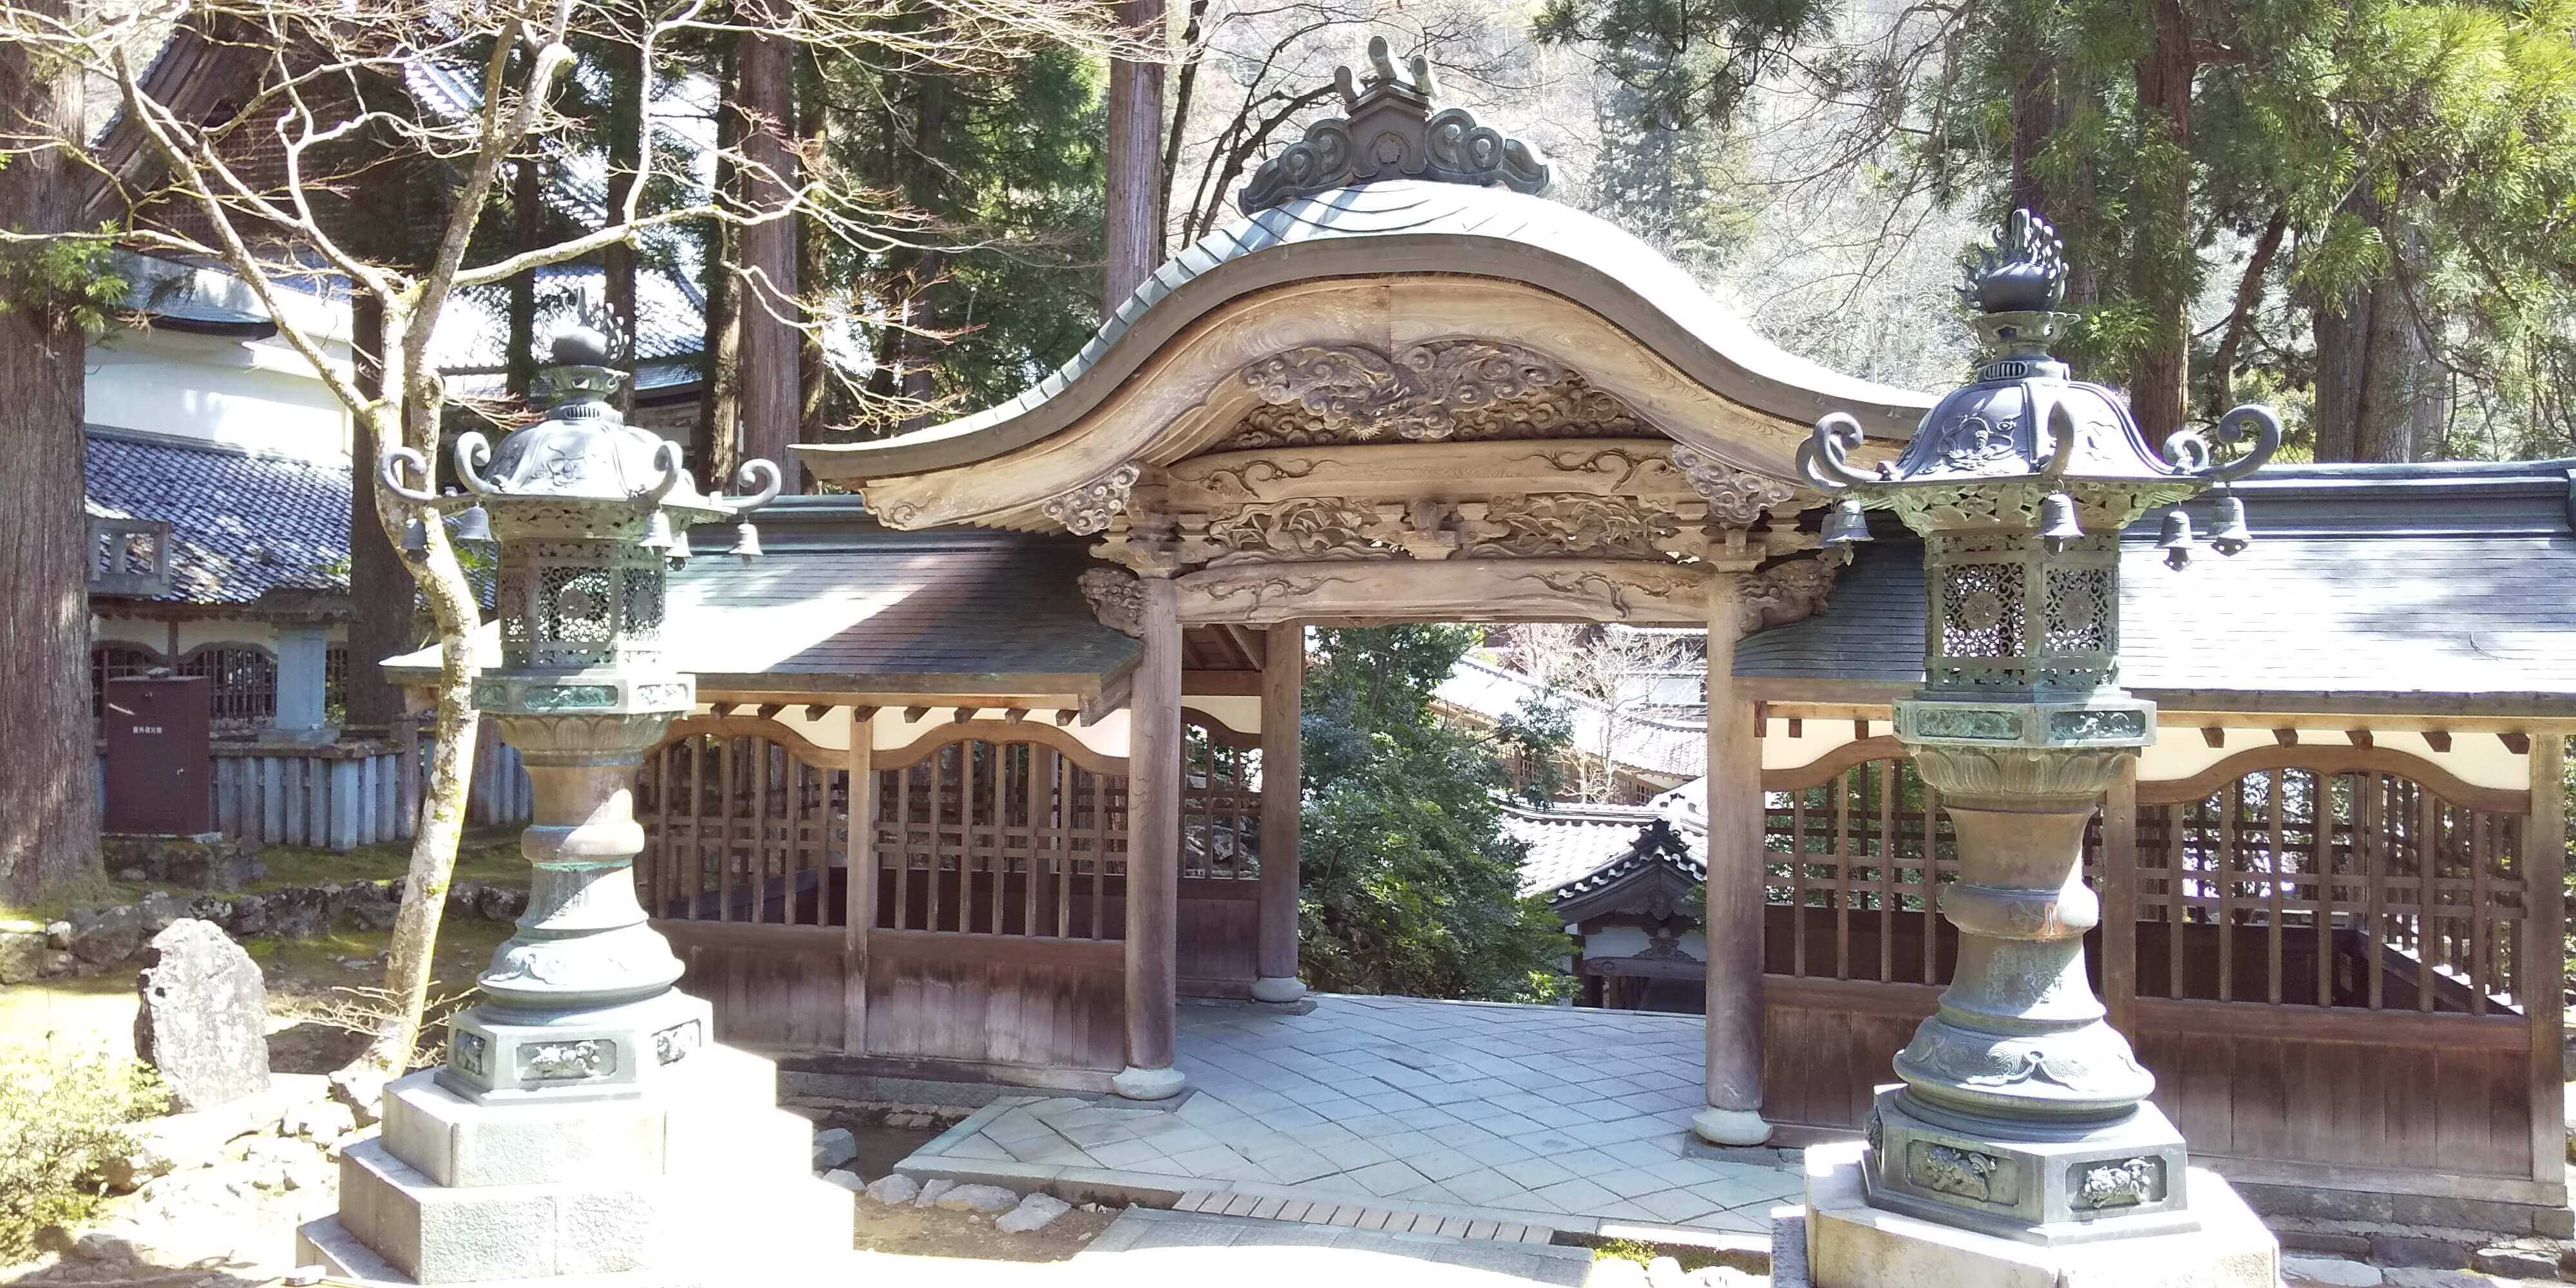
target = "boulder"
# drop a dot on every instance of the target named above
(846, 1179)
(160, 908)
(204, 1018)
(319, 1121)
(1664, 1272)
(1036, 1212)
(893, 1190)
(833, 1147)
(22, 957)
(106, 936)
(931, 1190)
(2514, 1262)
(987, 1199)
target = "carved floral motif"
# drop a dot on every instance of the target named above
(1117, 599)
(1088, 509)
(1393, 129)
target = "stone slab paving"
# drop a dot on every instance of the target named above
(1570, 1116)
(1148, 1245)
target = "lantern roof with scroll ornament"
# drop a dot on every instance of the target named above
(1988, 452)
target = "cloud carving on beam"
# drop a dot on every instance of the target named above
(1423, 393)
(1739, 498)
(1087, 510)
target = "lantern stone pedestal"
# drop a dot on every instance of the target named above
(701, 1180)
(1851, 1243)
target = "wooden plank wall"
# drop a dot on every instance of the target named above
(979, 999)
(2410, 1079)
(772, 986)
(1218, 933)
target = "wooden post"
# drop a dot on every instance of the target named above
(2544, 963)
(1153, 850)
(859, 887)
(1283, 680)
(1734, 917)
(2120, 902)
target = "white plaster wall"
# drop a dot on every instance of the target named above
(2180, 751)
(1815, 738)
(1628, 941)
(2477, 758)
(257, 395)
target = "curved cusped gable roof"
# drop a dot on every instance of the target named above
(1385, 263)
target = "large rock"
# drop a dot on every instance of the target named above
(22, 957)
(1036, 1212)
(204, 1018)
(990, 1200)
(106, 936)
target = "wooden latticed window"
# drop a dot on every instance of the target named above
(2361, 889)
(335, 680)
(1220, 805)
(742, 828)
(1855, 874)
(243, 692)
(1001, 838)
(115, 660)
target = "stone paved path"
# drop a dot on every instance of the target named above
(1542, 1111)
(1160, 1246)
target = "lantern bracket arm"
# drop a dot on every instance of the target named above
(666, 462)
(760, 474)
(1824, 457)
(389, 472)
(473, 454)
(2190, 452)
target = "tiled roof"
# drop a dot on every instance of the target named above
(241, 525)
(1570, 842)
(1645, 743)
(840, 605)
(2441, 586)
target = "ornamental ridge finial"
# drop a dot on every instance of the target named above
(2024, 272)
(1392, 129)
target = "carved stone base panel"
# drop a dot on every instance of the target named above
(495, 1055)
(2121, 1180)
(1597, 590)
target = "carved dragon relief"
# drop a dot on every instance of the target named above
(1418, 394)
(1784, 593)
(1560, 406)
(1568, 523)
(1304, 528)
(1117, 599)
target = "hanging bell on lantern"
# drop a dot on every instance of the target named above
(679, 553)
(746, 541)
(474, 524)
(415, 541)
(2232, 535)
(2057, 526)
(2177, 540)
(1846, 525)
(657, 533)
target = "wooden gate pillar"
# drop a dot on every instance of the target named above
(1734, 917)
(1154, 849)
(1283, 679)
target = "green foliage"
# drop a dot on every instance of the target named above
(66, 282)
(1410, 885)
(61, 1118)
(1003, 284)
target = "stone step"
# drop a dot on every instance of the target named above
(1362, 1216)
